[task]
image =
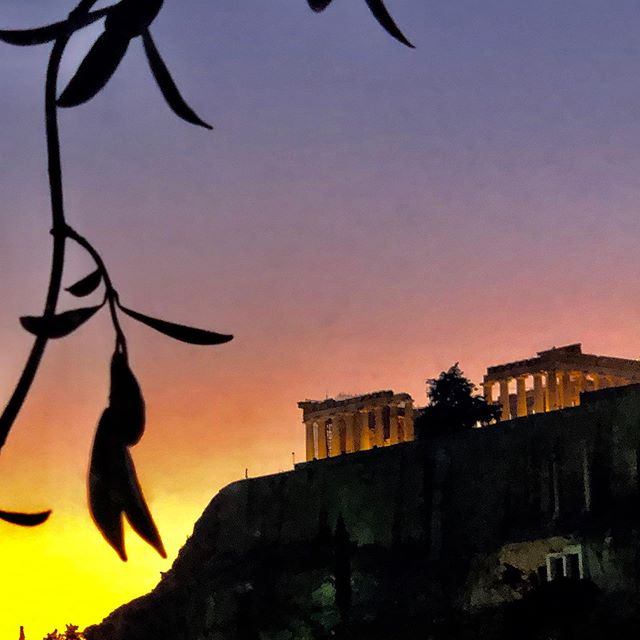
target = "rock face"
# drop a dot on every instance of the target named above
(459, 523)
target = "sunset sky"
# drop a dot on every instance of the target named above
(362, 216)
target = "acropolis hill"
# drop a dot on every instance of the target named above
(440, 538)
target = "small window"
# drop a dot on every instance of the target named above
(572, 564)
(566, 564)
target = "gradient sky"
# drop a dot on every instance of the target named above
(362, 217)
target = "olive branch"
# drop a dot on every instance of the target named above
(113, 487)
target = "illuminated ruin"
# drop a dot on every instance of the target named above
(554, 379)
(356, 423)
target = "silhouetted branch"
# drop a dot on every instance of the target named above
(16, 400)
(51, 32)
(114, 490)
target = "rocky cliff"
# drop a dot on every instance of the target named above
(263, 558)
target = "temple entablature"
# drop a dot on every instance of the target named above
(554, 379)
(345, 425)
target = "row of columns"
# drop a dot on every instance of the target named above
(350, 431)
(551, 390)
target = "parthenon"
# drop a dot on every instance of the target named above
(356, 423)
(554, 379)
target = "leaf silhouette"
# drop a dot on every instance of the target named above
(179, 331)
(319, 5)
(131, 17)
(379, 12)
(87, 285)
(167, 86)
(126, 403)
(114, 489)
(386, 21)
(41, 35)
(95, 70)
(25, 519)
(104, 502)
(59, 325)
(136, 510)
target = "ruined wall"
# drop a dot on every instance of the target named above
(433, 525)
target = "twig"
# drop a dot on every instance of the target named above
(112, 294)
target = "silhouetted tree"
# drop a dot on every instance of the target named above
(70, 633)
(453, 405)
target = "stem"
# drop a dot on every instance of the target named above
(112, 294)
(58, 220)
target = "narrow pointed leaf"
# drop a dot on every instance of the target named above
(25, 519)
(87, 285)
(95, 70)
(167, 86)
(114, 489)
(319, 5)
(60, 325)
(179, 331)
(131, 17)
(125, 402)
(386, 21)
(137, 512)
(105, 473)
(41, 35)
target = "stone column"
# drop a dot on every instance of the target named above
(538, 393)
(363, 417)
(504, 400)
(488, 391)
(521, 394)
(577, 387)
(340, 435)
(560, 389)
(331, 443)
(355, 429)
(565, 389)
(322, 440)
(348, 422)
(597, 383)
(552, 391)
(379, 427)
(308, 426)
(408, 421)
(393, 426)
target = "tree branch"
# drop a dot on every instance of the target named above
(58, 220)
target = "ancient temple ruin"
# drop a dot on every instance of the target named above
(345, 425)
(554, 379)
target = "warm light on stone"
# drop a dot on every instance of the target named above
(348, 421)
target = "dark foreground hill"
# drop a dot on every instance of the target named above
(528, 529)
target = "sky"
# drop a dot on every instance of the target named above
(361, 217)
